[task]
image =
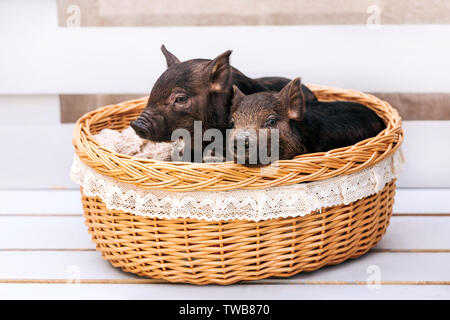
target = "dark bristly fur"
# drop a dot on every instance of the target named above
(205, 88)
(303, 128)
(332, 125)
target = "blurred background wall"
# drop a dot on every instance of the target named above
(62, 58)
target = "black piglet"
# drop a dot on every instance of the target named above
(319, 127)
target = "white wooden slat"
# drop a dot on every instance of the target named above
(419, 233)
(389, 268)
(39, 202)
(29, 109)
(58, 265)
(234, 292)
(63, 232)
(427, 155)
(67, 232)
(41, 58)
(39, 156)
(422, 201)
(67, 202)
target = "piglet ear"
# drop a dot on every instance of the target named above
(220, 72)
(237, 94)
(170, 58)
(292, 98)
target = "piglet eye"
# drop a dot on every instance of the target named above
(232, 122)
(181, 99)
(271, 122)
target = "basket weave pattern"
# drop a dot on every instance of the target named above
(202, 252)
(224, 252)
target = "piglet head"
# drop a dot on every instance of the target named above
(193, 90)
(266, 120)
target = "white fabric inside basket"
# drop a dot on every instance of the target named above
(253, 205)
(129, 143)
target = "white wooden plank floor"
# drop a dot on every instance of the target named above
(46, 253)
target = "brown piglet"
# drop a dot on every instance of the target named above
(300, 127)
(197, 90)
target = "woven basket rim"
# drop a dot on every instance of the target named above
(183, 176)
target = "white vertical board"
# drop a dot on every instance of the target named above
(39, 57)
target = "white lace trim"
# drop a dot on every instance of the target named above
(254, 205)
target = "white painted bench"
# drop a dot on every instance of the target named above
(44, 246)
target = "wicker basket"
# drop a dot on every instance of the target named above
(224, 252)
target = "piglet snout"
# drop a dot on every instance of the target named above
(141, 128)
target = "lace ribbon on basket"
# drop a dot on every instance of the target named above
(254, 205)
